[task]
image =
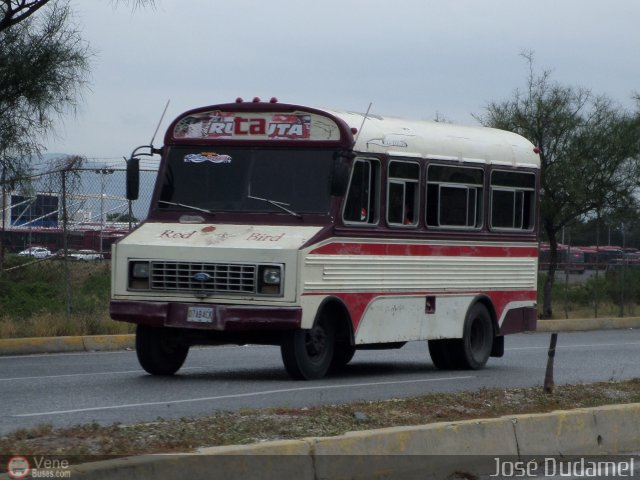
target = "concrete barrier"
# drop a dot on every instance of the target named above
(563, 433)
(277, 460)
(414, 452)
(434, 451)
(618, 427)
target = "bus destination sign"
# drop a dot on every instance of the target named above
(256, 126)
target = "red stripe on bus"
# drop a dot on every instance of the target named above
(382, 249)
(357, 302)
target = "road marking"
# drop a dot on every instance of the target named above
(239, 395)
(561, 346)
(87, 374)
(110, 352)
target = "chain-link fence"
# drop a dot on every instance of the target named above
(593, 281)
(58, 225)
(76, 201)
(56, 230)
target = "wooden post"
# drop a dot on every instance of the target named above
(548, 376)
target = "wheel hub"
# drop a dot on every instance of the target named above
(316, 341)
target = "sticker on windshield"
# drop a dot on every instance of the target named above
(212, 157)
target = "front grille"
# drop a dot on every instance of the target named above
(204, 277)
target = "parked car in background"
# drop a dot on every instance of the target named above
(85, 255)
(60, 253)
(35, 252)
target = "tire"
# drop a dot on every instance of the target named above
(308, 354)
(475, 346)
(342, 355)
(157, 352)
(441, 353)
(472, 351)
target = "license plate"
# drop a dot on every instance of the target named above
(200, 314)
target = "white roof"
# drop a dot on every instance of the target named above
(440, 141)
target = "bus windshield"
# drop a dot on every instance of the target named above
(236, 179)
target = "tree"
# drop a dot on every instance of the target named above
(588, 151)
(44, 66)
(15, 11)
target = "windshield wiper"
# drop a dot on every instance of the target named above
(190, 207)
(275, 203)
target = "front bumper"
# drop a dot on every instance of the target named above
(226, 318)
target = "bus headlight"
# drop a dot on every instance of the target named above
(271, 276)
(139, 275)
(270, 280)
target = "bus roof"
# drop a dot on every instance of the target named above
(438, 140)
(259, 123)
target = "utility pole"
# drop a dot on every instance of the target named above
(4, 216)
(65, 246)
(103, 172)
(622, 269)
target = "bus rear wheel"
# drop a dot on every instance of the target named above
(307, 354)
(475, 346)
(158, 353)
(442, 354)
(472, 351)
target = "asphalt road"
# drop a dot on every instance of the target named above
(67, 389)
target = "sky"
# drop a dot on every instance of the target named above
(410, 58)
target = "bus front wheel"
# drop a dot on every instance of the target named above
(158, 353)
(342, 355)
(307, 354)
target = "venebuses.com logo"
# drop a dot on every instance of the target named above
(38, 467)
(18, 467)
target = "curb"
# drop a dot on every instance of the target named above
(96, 343)
(433, 451)
(26, 346)
(588, 324)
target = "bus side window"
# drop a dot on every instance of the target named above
(454, 197)
(512, 200)
(403, 193)
(361, 205)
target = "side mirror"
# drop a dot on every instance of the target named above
(339, 178)
(133, 178)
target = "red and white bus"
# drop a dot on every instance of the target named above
(571, 259)
(600, 257)
(325, 232)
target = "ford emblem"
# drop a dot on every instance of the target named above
(201, 277)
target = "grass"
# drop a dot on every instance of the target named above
(251, 426)
(35, 301)
(599, 296)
